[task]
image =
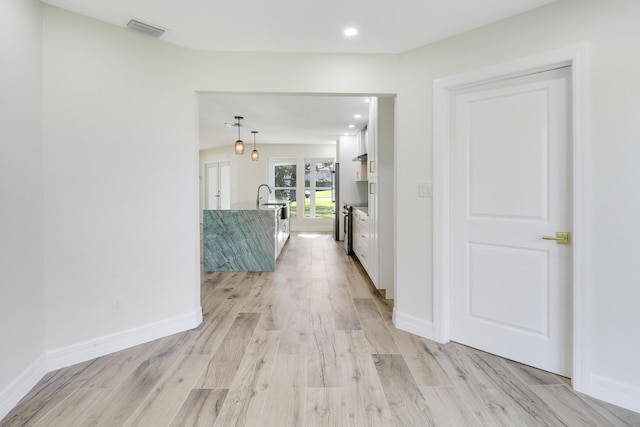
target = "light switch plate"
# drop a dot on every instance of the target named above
(425, 189)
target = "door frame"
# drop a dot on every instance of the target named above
(577, 58)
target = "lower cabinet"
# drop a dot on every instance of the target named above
(361, 240)
(282, 233)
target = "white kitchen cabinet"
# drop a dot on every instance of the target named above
(380, 161)
(373, 240)
(372, 138)
(361, 240)
(282, 228)
(374, 224)
(282, 234)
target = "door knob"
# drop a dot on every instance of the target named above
(561, 237)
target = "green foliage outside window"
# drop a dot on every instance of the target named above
(285, 184)
(318, 183)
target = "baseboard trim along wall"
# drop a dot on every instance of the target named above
(19, 387)
(618, 393)
(615, 392)
(413, 324)
(87, 350)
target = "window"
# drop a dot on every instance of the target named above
(282, 178)
(318, 191)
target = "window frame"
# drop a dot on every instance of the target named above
(279, 161)
(312, 188)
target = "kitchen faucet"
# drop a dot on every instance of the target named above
(258, 193)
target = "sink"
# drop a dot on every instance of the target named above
(284, 214)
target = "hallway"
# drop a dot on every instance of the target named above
(311, 344)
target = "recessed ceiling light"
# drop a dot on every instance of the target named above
(357, 116)
(352, 126)
(350, 32)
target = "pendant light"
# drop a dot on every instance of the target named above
(239, 147)
(254, 153)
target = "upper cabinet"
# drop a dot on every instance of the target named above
(372, 138)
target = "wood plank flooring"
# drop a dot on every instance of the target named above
(311, 344)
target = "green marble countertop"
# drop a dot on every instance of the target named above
(244, 237)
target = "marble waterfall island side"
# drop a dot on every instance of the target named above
(241, 239)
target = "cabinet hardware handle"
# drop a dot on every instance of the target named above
(371, 166)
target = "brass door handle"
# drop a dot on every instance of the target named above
(561, 237)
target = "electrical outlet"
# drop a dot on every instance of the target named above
(117, 305)
(425, 189)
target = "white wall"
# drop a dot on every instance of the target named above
(121, 178)
(21, 256)
(121, 184)
(612, 30)
(247, 175)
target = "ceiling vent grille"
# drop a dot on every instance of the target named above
(147, 29)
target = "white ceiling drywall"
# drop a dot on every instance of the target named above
(287, 26)
(384, 26)
(281, 119)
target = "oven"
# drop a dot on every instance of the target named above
(347, 215)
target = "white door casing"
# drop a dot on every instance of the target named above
(510, 173)
(577, 57)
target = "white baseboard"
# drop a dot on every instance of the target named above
(413, 324)
(615, 392)
(19, 387)
(87, 350)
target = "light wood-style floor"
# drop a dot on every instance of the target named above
(311, 344)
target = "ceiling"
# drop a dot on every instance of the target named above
(384, 27)
(281, 119)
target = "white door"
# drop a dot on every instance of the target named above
(510, 186)
(217, 186)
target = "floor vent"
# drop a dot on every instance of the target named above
(147, 29)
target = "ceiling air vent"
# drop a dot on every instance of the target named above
(147, 29)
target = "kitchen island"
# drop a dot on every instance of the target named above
(246, 237)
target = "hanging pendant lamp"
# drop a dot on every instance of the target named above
(239, 147)
(254, 154)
